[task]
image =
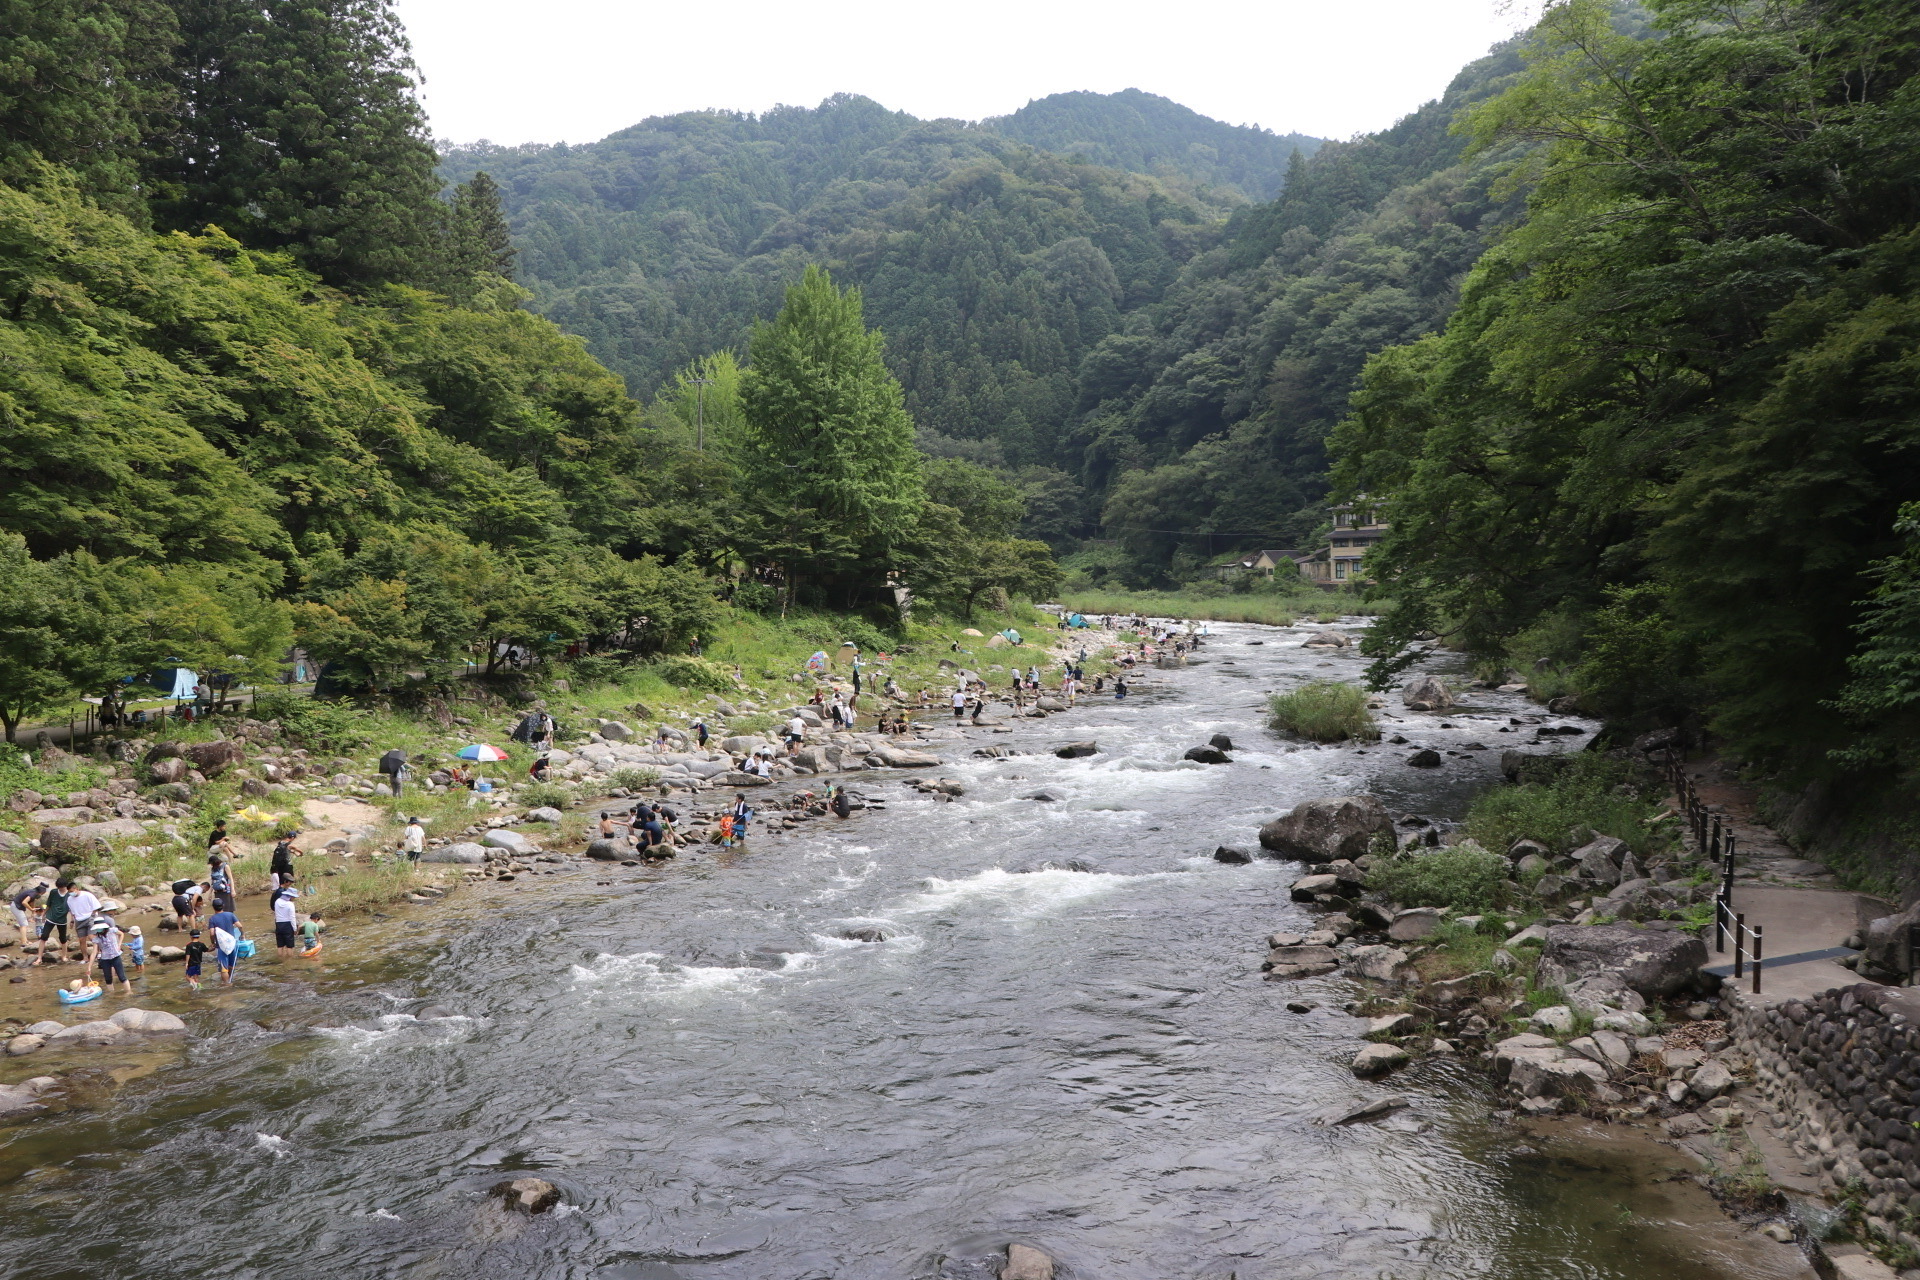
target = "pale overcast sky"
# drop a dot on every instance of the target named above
(576, 70)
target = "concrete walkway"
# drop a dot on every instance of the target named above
(1803, 931)
(1804, 916)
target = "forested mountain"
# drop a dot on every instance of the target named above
(1202, 421)
(1146, 133)
(994, 269)
(1129, 349)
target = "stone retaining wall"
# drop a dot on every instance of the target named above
(1840, 1072)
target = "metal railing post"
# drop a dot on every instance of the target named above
(1739, 946)
(1758, 945)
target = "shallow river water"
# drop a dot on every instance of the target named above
(724, 1087)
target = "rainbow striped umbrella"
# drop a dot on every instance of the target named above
(481, 751)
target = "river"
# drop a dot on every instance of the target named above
(724, 1087)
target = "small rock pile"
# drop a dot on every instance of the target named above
(1621, 1070)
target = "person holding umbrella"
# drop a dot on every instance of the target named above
(394, 766)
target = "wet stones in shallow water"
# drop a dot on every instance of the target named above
(1233, 854)
(1425, 759)
(1081, 865)
(1309, 888)
(1076, 750)
(1427, 693)
(1208, 755)
(1046, 796)
(866, 933)
(1024, 1262)
(1375, 1110)
(1222, 741)
(527, 1195)
(1378, 1059)
(608, 851)
(23, 1044)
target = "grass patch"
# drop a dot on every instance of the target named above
(633, 777)
(1589, 795)
(1463, 877)
(357, 886)
(1458, 951)
(1324, 711)
(542, 795)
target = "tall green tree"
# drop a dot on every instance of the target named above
(299, 130)
(83, 85)
(478, 242)
(828, 453)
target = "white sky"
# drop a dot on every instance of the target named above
(576, 70)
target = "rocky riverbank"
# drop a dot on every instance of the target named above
(1585, 995)
(346, 828)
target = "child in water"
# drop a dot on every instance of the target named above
(310, 934)
(196, 949)
(726, 831)
(136, 948)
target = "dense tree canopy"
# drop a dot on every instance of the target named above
(1680, 396)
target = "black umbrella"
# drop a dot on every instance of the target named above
(393, 761)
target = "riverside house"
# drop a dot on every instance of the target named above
(1356, 527)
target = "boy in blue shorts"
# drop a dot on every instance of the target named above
(196, 951)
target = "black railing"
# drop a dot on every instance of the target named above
(1715, 841)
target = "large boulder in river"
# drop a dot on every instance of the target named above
(527, 1195)
(1208, 755)
(1329, 829)
(1077, 750)
(1653, 962)
(901, 758)
(88, 1033)
(609, 851)
(1427, 693)
(1026, 1263)
(149, 1022)
(464, 852)
(1328, 640)
(512, 841)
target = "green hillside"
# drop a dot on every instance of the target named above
(1146, 133)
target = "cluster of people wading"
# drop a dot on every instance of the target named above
(111, 956)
